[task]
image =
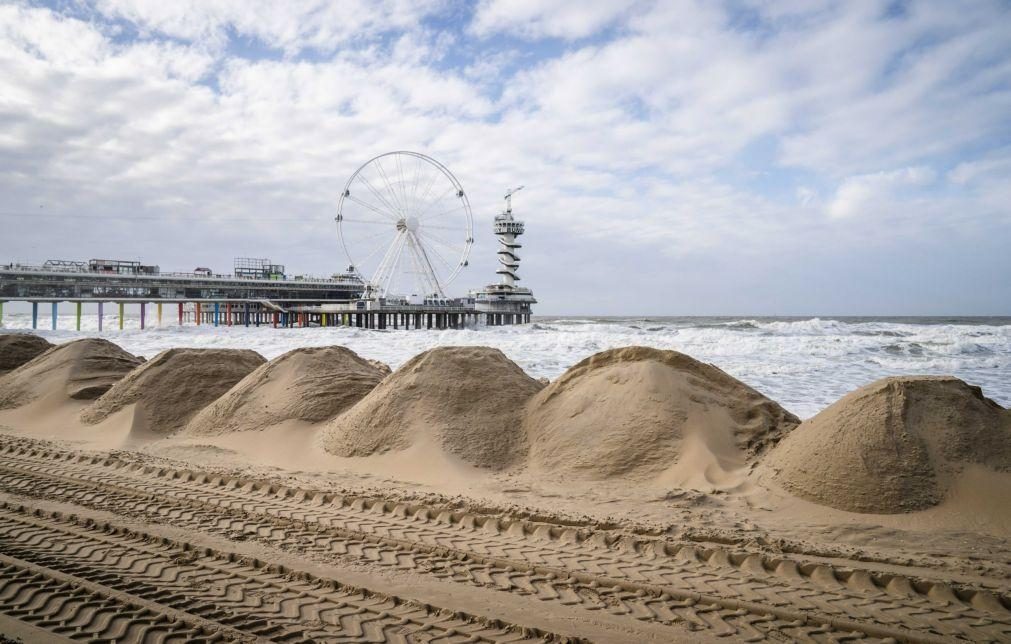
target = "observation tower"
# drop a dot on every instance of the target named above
(505, 302)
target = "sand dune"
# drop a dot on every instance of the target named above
(628, 412)
(466, 401)
(895, 445)
(18, 348)
(309, 384)
(167, 391)
(79, 370)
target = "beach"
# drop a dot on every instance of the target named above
(433, 488)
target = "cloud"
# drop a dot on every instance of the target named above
(291, 26)
(547, 18)
(651, 136)
(869, 194)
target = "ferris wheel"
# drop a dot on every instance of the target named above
(405, 225)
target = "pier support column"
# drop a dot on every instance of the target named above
(217, 312)
(197, 309)
(158, 305)
(323, 320)
(143, 305)
(55, 304)
(275, 319)
(245, 312)
(228, 314)
(77, 316)
(100, 316)
(1, 313)
(35, 315)
(122, 306)
(180, 314)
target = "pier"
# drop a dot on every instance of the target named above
(257, 294)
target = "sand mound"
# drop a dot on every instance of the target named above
(310, 384)
(893, 446)
(82, 369)
(381, 366)
(467, 401)
(18, 348)
(173, 386)
(630, 412)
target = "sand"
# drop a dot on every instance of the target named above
(633, 412)
(18, 348)
(309, 384)
(896, 445)
(405, 513)
(79, 370)
(465, 401)
(166, 392)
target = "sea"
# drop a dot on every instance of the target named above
(804, 363)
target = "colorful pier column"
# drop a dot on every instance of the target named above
(55, 305)
(180, 314)
(142, 305)
(35, 315)
(228, 314)
(77, 317)
(1, 313)
(121, 307)
(100, 306)
(323, 322)
(217, 312)
(197, 305)
(159, 313)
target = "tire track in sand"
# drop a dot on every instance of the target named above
(230, 596)
(701, 589)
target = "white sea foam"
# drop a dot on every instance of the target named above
(804, 364)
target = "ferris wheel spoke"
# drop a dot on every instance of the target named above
(417, 180)
(366, 222)
(394, 214)
(403, 185)
(370, 207)
(432, 205)
(383, 275)
(428, 218)
(428, 188)
(442, 259)
(428, 226)
(445, 244)
(390, 188)
(367, 257)
(382, 233)
(426, 266)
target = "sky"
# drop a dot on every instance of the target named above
(679, 157)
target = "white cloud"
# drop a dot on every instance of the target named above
(547, 18)
(670, 135)
(869, 194)
(292, 26)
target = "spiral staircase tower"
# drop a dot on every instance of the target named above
(505, 302)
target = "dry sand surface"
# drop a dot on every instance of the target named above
(311, 385)
(636, 411)
(465, 401)
(166, 392)
(642, 497)
(80, 370)
(19, 348)
(895, 445)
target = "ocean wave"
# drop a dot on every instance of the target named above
(803, 363)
